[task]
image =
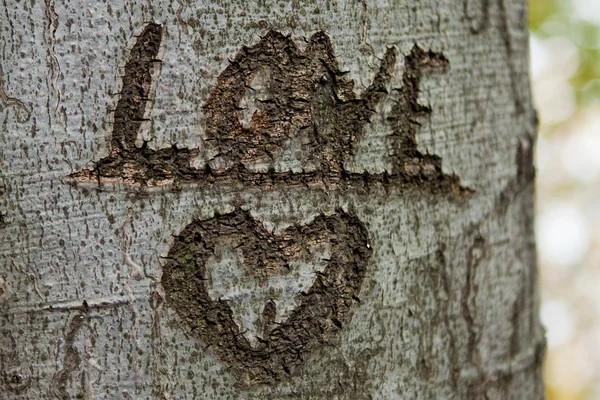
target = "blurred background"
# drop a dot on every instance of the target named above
(565, 66)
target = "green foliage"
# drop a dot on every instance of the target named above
(551, 18)
(540, 11)
(566, 77)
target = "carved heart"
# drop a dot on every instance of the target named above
(205, 285)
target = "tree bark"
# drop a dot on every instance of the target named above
(253, 200)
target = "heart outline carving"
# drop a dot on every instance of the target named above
(322, 308)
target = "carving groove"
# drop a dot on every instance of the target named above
(307, 97)
(322, 310)
(270, 98)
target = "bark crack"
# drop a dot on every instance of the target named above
(508, 45)
(51, 58)
(22, 113)
(72, 358)
(477, 12)
(475, 254)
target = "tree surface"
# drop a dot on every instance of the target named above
(267, 200)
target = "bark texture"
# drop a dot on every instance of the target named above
(267, 200)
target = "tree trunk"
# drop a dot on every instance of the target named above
(252, 200)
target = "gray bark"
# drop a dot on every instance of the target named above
(246, 200)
